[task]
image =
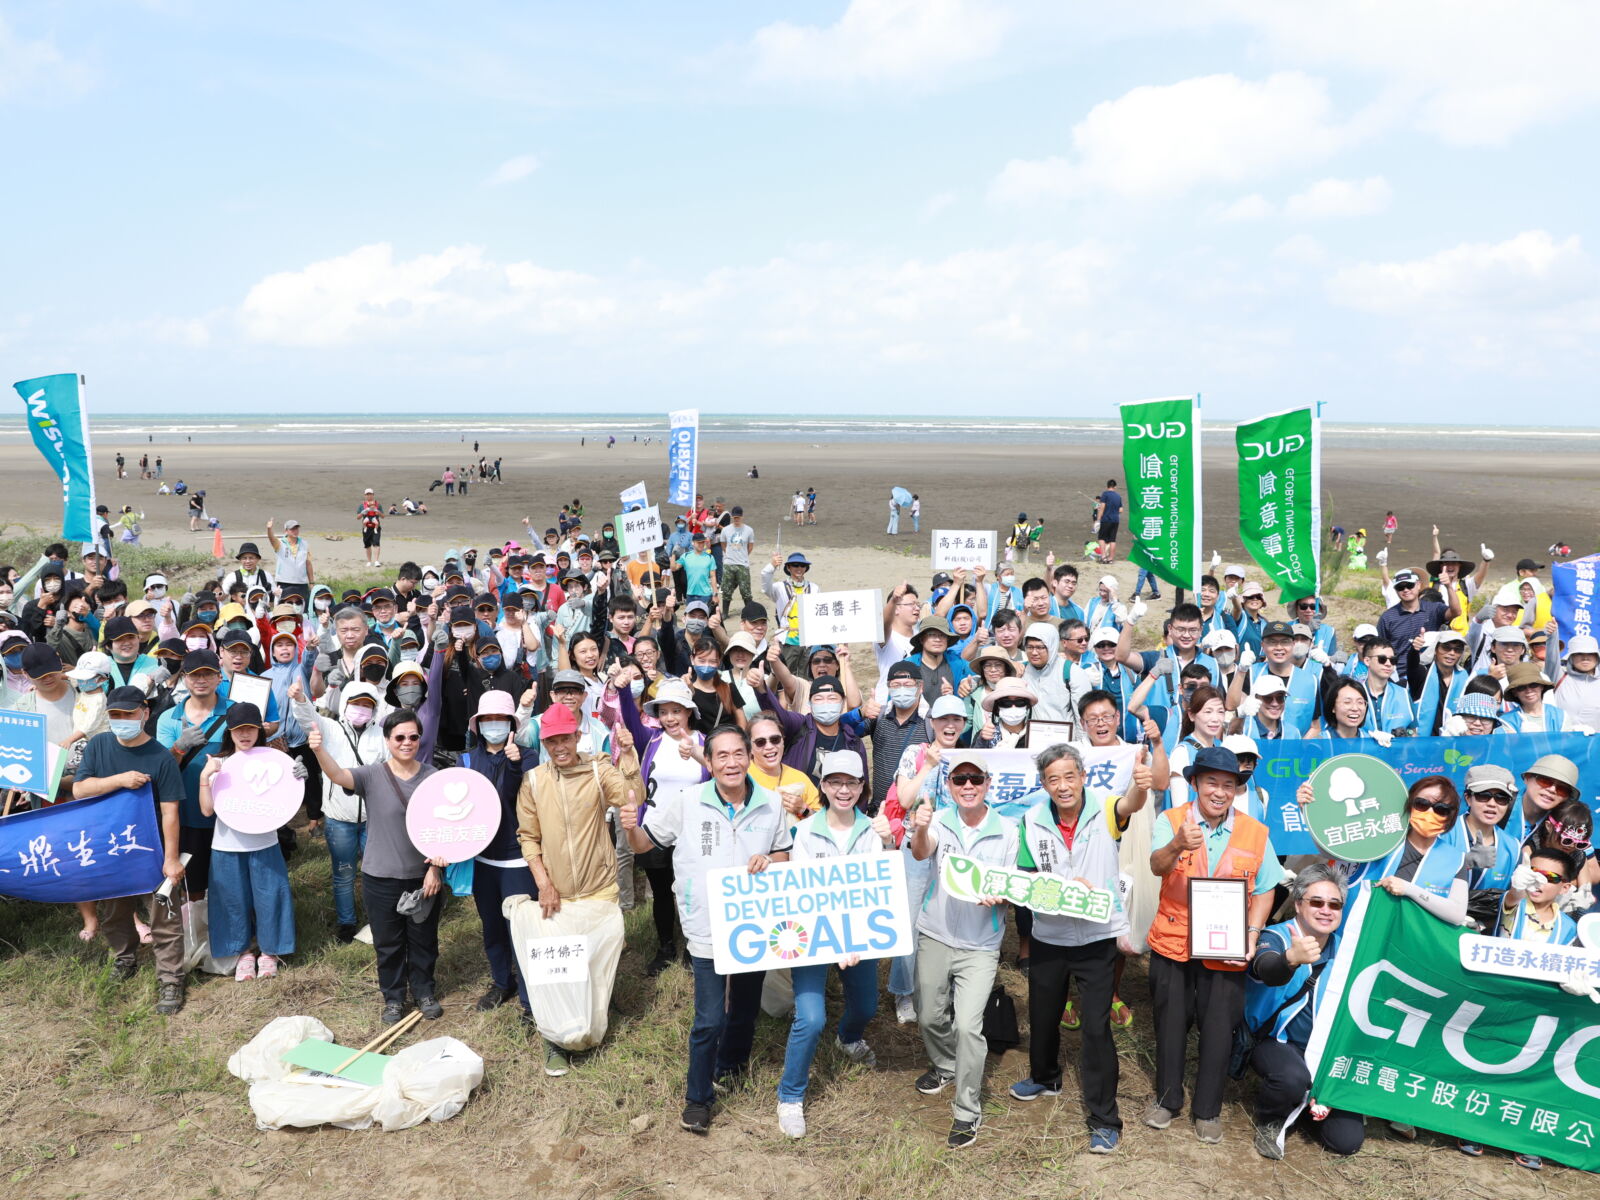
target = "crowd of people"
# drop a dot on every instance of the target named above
(633, 717)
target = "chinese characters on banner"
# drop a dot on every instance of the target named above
(969, 548)
(639, 529)
(829, 618)
(683, 456)
(1161, 458)
(1280, 497)
(968, 880)
(1572, 601)
(95, 849)
(1014, 777)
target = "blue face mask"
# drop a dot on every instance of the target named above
(492, 662)
(408, 655)
(208, 615)
(93, 685)
(126, 729)
(704, 672)
(14, 661)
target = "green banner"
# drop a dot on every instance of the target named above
(1280, 497)
(1404, 1033)
(1161, 458)
(968, 879)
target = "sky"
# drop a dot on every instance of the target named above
(1016, 207)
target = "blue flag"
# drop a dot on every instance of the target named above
(58, 419)
(1572, 600)
(83, 850)
(683, 454)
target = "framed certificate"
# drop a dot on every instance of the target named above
(250, 689)
(1218, 918)
(1044, 734)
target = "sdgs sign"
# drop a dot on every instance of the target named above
(804, 914)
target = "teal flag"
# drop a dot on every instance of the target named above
(1406, 1033)
(1280, 498)
(1161, 457)
(59, 423)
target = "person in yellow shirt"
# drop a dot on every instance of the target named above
(767, 768)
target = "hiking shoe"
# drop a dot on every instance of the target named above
(933, 1081)
(1268, 1135)
(660, 962)
(1028, 1089)
(905, 1010)
(1158, 1117)
(696, 1118)
(266, 967)
(792, 1118)
(124, 971)
(963, 1134)
(169, 999)
(345, 933)
(432, 1010)
(493, 998)
(1208, 1130)
(557, 1062)
(1103, 1141)
(1069, 1016)
(857, 1052)
(245, 968)
(393, 1012)
(1531, 1161)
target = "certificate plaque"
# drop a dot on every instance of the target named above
(1218, 918)
(250, 689)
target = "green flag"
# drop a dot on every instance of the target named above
(1280, 497)
(1406, 1033)
(1161, 458)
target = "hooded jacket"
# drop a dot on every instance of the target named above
(1047, 682)
(561, 818)
(346, 745)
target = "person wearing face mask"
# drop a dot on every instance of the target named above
(1045, 675)
(1302, 684)
(53, 697)
(1439, 689)
(39, 614)
(812, 736)
(287, 665)
(420, 691)
(1009, 706)
(71, 636)
(1577, 679)
(128, 757)
(713, 696)
(1004, 592)
(17, 684)
(121, 637)
(894, 726)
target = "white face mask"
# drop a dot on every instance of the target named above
(903, 695)
(323, 603)
(285, 626)
(637, 688)
(1008, 580)
(494, 732)
(1011, 714)
(198, 642)
(827, 711)
(1301, 653)
(1224, 658)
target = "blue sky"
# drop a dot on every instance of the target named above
(953, 206)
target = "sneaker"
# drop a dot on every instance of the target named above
(933, 1081)
(696, 1118)
(345, 934)
(169, 999)
(1103, 1141)
(124, 971)
(1029, 1089)
(792, 1118)
(1268, 1135)
(1121, 1015)
(963, 1134)
(557, 1062)
(660, 962)
(1069, 1016)
(857, 1052)
(432, 1010)
(1158, 1116)
(905, 1011)
(245, 968)
(1470, 1149)
(266, 967)
(1406, 1133)
(393, 1012)
(493, 998)
(1532, 1161)
(1208, 1130)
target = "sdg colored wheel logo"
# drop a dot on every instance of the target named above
(788, 940)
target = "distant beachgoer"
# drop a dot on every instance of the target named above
(916, 513)
(121, 462)
(799, 508)
(371, 516)
(158, 466)
(1390, 524)
(811, 506)
(894, 516)
(1338, 535)
(1108, 519)
(449, 478)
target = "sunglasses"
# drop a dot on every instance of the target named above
(1549, 876)
(1383, 658)
(1492, 797)
(1319, 902)
(405, 737)
(968, 779)
(1443, 807)
(766, 741)
(1305, 608)
(1275, 698)
(1546, 781)
(1568, 835)
(1405, 587)
(818, 659)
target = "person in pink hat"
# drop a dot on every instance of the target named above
(501, 870)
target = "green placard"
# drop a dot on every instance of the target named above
(1280, 508)
(1358, 810)
(1161, 455)
(325, 1056)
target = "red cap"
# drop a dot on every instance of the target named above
(557, 719)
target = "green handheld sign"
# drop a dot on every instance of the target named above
(1358, 808)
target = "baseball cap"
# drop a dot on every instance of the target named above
(200, 660)
(842, 762)
(236, 637)
(567, 679)
(1527, 564)
(905, 669)
(90, 666)
(291, 524)
(1267, 684)
(39, 659)
(1105, 635)
(967, 758)
(1365, 630)
(139, 608)
(1450, 635)
(1405, 576)
(754, 611)
(1302, 630)
(556, 720)
(1232, 569)
(947, 706)
(1278, 629)
(696, 606)
(125, 699)
(156, 580)
(1508, 633)
(243, 713)
(119, 627)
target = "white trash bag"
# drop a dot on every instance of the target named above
(430, 1081)
(777, 993)
(573, 1013)
(262, 1056)
(197, 941)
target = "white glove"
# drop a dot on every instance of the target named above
(1138, 610)
(141, 680)
(1318, 655)
(1120, 611)
(1096, 675)
(1247, 657)
(1523, 878)
(1249, 706)
(1216, 560)
(159, 675)
(1161, 667)
(1383, 557)
(1488, 554)
(1581, 987)
(298, 770)
(1574, 900)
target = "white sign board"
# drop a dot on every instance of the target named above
(807, 914)
(829, 618)
(634, 497)
(639, 530)
(967, 548)
(1529, 960)
(557, 960)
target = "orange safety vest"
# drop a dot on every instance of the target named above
(1247, 845)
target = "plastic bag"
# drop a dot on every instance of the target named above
(197, 942)
(573, 1014)
(430, 1081)
(459, 878)
(262, 1056)
(777, 993)
(284, 1103)
(1143, 896)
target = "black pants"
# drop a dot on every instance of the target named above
(407, 950)
(1189, 995)
(196, 843)
(663, 907)
(1049, 976)
(490, 887)
(313, 781)
(1285, 1078)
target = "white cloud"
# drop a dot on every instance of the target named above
(937, 204)
(1254, 207)
(1531, 271)
(880, 41)
(35, 69)
(1302, 250)
(1165, 140)
(512, 170)
(1339, 198)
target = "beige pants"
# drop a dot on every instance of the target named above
(166, 930)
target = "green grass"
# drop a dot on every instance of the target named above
(183, 567)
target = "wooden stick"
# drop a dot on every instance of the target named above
(383, 1039)
(11, 795)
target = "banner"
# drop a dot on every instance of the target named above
(58, 419)
(970, 880)
(1161, 458)
(683, 456)
(634, 497)
(804, 914)
(1285, 765)
(1013, 777)
(832, 618)
(1403, 1033)
(83, 850)
(1572, 600)
(1280, 498)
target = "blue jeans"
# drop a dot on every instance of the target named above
(346, 841)
(725, 1008)
(811, 1017)
(249, 901)
(1146, 578)
(916, 522)
(903, 970)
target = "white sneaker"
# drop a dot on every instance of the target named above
(857, 1052)
(792, 1119)
(904, 1011)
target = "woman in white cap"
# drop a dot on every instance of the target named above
(1445, 682)
(1261, 712)
(294, 571)
(1577, 679)
(1104, 609)
(838, 829)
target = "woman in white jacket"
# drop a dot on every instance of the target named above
(353, 738)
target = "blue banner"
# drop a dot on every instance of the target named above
(1285, 765)
(83, 850)
(59, 422)
(683, 456)
(24, 753)
(1572, 599)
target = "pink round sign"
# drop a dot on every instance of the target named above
(453, 814)
(256, 791)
